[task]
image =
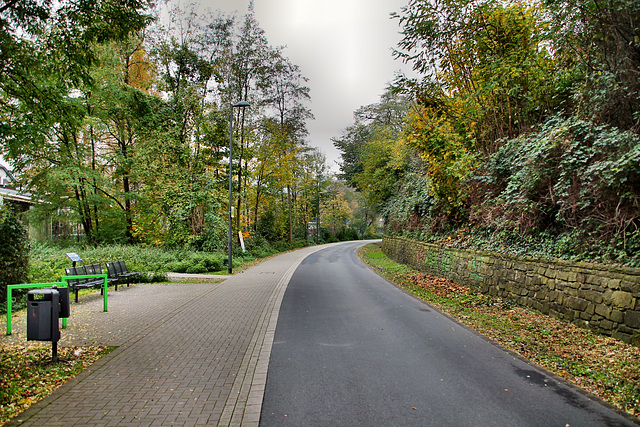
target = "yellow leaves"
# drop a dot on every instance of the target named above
(335, 212)
(399, 153)
(26, 374)
(446, 151)
(246, 222)
(140, 71)
(148, 230)
(25, 402)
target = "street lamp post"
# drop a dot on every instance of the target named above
(241, 104)
(318, 209)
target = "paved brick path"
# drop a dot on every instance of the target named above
(188, 354)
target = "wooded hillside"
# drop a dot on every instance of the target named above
(521, 133)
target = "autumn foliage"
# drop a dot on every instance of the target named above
(523, 126)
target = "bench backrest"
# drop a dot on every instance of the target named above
(97, 269)
(123, 267)
(76, 271)
(118, 268)
(111, 270)
(71, 272)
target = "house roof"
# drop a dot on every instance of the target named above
(8, 172)
(7, 193)
(10, 192)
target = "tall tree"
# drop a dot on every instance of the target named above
(379, 123)
(247, 66)
(485, 65)
(285, 94)
(597, 45)
(46, 55)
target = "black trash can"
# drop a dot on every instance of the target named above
(43, 312)
(65, 307)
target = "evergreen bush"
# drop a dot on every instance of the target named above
(14, 252)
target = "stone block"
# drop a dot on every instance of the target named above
(576, 304)
(594, 280)
(622, 336)
(520, 266)
(632, 319)
(603, 310)
(613, 283)
(626, 330)
(588, 295)
(617, 316)
(544, 308)
(623, 299)
(572, 285)
(565, 313)
(591, 308)
(607, 325)
(630, 286)
(550, 273)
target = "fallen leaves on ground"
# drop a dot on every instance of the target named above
(606, 367)
(27, 374)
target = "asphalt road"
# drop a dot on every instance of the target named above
(351, 349)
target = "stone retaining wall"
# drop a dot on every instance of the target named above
(602, 298)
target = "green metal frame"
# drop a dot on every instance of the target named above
(10, 289)
(92, 276)
(62, 283)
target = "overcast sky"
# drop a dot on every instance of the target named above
(344, 47)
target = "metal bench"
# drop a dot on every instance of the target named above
(83, 283)
(117, 271)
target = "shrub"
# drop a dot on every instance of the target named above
(346, 234)
(571, 176)
(196, 269)
(14, 252)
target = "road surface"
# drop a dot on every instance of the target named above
(351, 349)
